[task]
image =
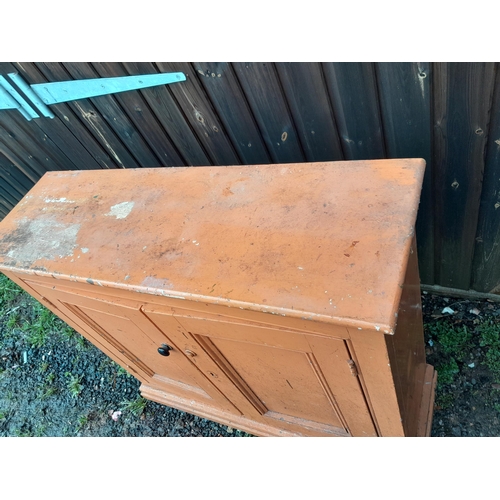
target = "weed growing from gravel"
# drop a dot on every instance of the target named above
(447, 372)
(135, 407)
(82, 422)
(74, 386)
(8, 291)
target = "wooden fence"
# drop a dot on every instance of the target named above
(251, 113)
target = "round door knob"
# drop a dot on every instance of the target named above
(164, 350)
(189, 353)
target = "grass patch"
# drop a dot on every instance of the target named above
(489, 337)
(73, 385)
(452, 339)
(447, 371)
(135, 407)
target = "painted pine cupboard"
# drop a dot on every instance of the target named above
(283, 300)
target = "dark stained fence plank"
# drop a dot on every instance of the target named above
(486, 263)
(44, 149)
(142, 117)
(117, 119)
(57, 132)
(263, 90)
(170, 116)
(9, 196)
(462, 100)
(405, 101)
(91, 119)
(65, 129)
(12, 180)
(201, 115)
(309, 103)
(227, 97)
(19, 157)
(9, 170)
(354, 97)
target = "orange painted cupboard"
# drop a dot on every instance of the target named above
(278, 299)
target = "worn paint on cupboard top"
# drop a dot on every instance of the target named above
(324, 241)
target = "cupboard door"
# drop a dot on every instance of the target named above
(289, 380)
(122, 329)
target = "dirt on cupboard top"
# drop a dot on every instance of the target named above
(310, 240)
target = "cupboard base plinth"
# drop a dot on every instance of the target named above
(211, 413)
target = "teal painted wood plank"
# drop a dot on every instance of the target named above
(143, 118)
(201, 115)
(91, 119)
(171, 118)
(117, 119)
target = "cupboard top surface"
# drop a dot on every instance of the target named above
(326, 241)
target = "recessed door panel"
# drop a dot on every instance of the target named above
(297, 380)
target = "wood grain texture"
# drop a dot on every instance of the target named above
(264, 93)
(19, 157)
(354, 97)
(90, 117)
(374, 367)
(405, 101)
(142, 117)
(198, 109)
(462, 100)
(117, 119)
(486, 264)
(66, 124)
(169, 114)
(222, 86)
(307, 97)
(56, 129)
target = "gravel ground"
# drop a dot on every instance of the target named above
(55, 383)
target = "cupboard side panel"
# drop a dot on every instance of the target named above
(374, 367)
(407, 347)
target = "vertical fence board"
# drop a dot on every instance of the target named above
(353, 93)
(221, 84)
(55, 129)
(116, 118)
(12, 171)
(142, 117)
(66, 124)
(91, 119)
(309, 103)
(462, 100)
(263, 91)
(170, 116)
(486, 263)
(28, 165)
(405, 102)
(200, 113)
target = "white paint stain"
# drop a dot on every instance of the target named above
(85, 250)
(121, 210)
(162, 283)
(58, 200)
